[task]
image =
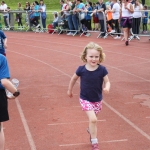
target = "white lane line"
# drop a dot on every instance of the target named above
(113, 141)
(66, 123)
(26, 127)
(78, 144)
(128, 121)
(80, 46)
(130, 102)
(76, 55)
(148, 117)
(111, 108)
(27, 39)
(128, 73)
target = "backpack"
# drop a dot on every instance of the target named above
(50, 28)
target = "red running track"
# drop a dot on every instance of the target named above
(44, 118)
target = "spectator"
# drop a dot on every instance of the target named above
(55, 21)
(3, 43)
(43, 13)
(126, 20)
(145, 19)
(3, 8)
(19, 16)
(137, 7)
(100, 9)
(27, 7)
(35, 20)
(88, 16)
(95, 17)
(4, 84)
(116, 15)
(69, 18)
(79, 8)
(108, 13)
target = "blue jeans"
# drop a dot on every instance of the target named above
(70, 23)
(6, 21)
(55, 24)
(75, 21)
(44, 22)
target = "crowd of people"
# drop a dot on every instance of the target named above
(86, 16)
(33, 9)
(124, 14)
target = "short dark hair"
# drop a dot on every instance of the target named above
(36, 2)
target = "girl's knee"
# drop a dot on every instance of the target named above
(93, 120)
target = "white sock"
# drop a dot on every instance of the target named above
(94, 141)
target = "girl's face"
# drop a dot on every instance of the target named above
(92, 57)
(41, 2)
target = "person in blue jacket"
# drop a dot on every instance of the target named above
(5, 84)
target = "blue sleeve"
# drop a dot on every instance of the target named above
(105, 72)
(2, 35)
(4, 70)
(78, 71)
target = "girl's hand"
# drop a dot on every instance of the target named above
(106, 90)
(69, 93)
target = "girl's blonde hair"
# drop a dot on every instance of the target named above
(95, 46)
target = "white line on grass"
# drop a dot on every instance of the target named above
(111, 108)
(26, 127)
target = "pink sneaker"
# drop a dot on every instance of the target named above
(95, 146)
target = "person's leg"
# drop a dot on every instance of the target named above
(21, 22)
(92, 124)
(2, 139)
(134, 24)
(5, 21)
(44, 23)
(126, 35)
(117, 27)
(102, 27)
(138, 25)
(75, 22)
(70, 23)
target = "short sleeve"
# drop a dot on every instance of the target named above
(3, 35)
(4, 70)
(78, 71)
(105, 72)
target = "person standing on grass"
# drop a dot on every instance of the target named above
(116, 16)
(4, 83)
(93, 80)
(3, 8)
(19, 16)
(43, 13)
(3, 43)
(100, 9)
(136, 18)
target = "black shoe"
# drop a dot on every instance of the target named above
(127, 43)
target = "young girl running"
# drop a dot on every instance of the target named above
(92, 76)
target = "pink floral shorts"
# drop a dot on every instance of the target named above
(87, 106)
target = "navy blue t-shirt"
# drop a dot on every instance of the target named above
(91, 83)
(4, 70)
(2, 37)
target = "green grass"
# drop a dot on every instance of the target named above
(50, 4)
